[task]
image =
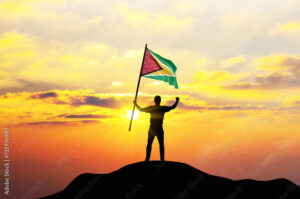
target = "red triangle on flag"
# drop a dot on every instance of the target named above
(150, 65)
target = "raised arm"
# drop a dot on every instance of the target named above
(147, 109)
(175, 104)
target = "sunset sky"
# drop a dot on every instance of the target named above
(69, 69)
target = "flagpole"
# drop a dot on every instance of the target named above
(137, 89)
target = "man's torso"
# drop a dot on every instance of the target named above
(157, 115)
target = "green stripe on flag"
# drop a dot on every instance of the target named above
(166, 78)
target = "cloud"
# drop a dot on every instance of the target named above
(173, 24)
(142, 19)
(88, 121)
(283, 71)
(29, 16)
(297, 102)
(211, 82)
(230, 107)
(273, 80)
(294, 65)
(241, 86)
(232, 61)
(46, 123)
(49, 97)
(73, 99)
(277, 80)
(273, 62)
(214, 77)
(10, 7)
(53, 105)
(22, 85)
(44, 95)
(95, 101)
(87, 116)
(59, 122)
(6, 81)
(29, 64)
(88, 106)
(289, 27)
(68, 52)
(291, 103)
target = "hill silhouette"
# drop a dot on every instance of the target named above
(176, 180)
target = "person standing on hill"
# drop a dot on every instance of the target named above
(156, 124)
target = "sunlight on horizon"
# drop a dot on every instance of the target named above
(135, 115)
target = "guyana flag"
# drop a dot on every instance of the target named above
(159, 68)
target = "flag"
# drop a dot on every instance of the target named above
(159, 68)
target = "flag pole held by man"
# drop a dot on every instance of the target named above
(156, 67)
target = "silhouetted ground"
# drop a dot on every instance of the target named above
(172, 180)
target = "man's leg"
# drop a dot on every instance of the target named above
(149, 144)
(160, 137)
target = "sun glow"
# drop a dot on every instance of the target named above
(135, 115)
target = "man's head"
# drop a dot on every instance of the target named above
(157, 99)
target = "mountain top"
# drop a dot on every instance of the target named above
(176, 180)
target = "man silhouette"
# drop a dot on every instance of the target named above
(156, 121)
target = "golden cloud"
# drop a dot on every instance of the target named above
(232, 61)
(290, 27)
(282, 72)
(59, 106)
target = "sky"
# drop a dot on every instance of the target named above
(69, 69)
